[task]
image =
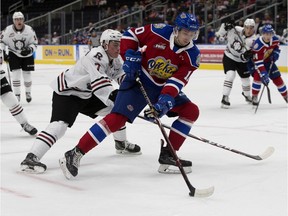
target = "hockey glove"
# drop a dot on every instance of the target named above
(113, 95)
(247, 55)
(275, 55)
(265, 78)
(164, 104)
(250, 66)
(229, 25)
(26, 51)
(132, 63)
(6, 57)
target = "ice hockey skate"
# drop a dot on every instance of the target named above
(255, 101)
(70, 163)
(225, 102)
(127, 148)
(29, 128)
(168, 164)
(248, 99)
(28, 97)
(31, 164)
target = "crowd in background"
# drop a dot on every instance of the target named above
(215, 10)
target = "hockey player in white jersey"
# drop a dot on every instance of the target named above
(235, 57)
(10, 100)
(22, 42)
(85, 88)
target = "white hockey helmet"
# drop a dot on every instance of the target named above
(110, 35)
(249, 22)
(18, 15)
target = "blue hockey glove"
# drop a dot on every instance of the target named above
(132, 63)
(164, 104)
(250, 66)
(26, 51)
(265, 78)
(275, 55)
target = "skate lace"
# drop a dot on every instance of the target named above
(76, 159)
(129, 145)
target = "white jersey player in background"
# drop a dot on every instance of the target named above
(22, 42)
(235, 57)
(10, 100)
(85, 88)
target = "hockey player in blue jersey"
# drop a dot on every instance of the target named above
(165, 68)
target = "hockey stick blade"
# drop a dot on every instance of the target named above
(267, 153)
(269, 95)
(201, 193)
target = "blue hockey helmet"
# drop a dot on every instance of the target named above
(267, 29)
(187, 21)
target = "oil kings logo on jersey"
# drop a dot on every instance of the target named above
(160, 46)
(161, 68)
(159, 25)
(267, 53)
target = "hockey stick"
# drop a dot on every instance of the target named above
(193, 191)
(268, 90)
(260, 100)
(267, 153)
(8, 72)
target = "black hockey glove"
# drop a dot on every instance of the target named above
(229, 25)
(26, 51)
(113, 95)
(6, 57)
(247, 55)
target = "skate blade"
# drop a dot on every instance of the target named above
(169, 169)
(34, 170)
(125, 152)
(62, 163)
(223, 106)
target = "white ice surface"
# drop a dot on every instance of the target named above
(110, 185)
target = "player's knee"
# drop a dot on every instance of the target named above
(115, 121)
(9, 99)
(190, 112)
(230, 75)
(57, 129)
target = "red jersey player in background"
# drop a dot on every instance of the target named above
(266, 53)
(164, 69)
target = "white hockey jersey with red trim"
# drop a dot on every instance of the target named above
(92, 74)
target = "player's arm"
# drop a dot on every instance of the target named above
(101, 85)
(31, 45)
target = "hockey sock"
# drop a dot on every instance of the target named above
(228, 82)
(14, 106)
(120, 135)
(280, 86)
(256, 85)
(99, 131)
(179, 130)
(27, 80)
(188, 114)
(246, 86)
(16, 81)
(46, 139)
